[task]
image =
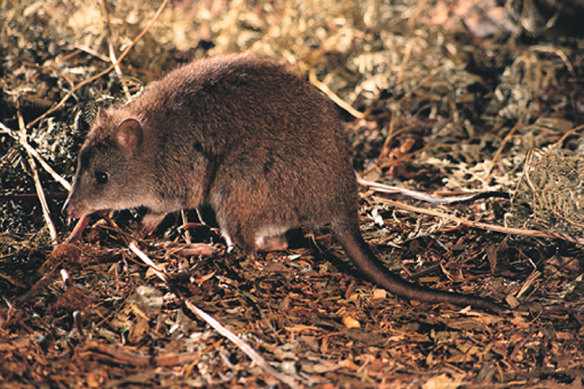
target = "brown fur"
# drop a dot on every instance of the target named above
(244, 135)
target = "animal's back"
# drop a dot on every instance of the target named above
(277, 146)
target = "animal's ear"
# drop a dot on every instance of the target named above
(129, 135)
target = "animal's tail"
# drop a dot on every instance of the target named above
(359, 251)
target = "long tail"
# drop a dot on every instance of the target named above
(359, 251)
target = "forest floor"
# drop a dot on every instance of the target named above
(442, 97)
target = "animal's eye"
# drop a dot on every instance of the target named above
(101, 177)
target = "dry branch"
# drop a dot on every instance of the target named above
(246, 348)
(112, 54)
(37, 181)
(494, 161)
(382, 188)
(29, 149)
(102, 73)
(333, 96)
(480, 225)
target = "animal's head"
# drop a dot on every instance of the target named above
(110, 171)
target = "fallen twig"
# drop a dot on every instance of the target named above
(382, 188)
(21, 138)
(102, 73)
(333, 96)
(37, 181)
(246, 348)
(567, 134)
(31, 196)
(110, 46)
(500, 150)
(480, 225)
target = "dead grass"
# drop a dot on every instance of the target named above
(440, 96)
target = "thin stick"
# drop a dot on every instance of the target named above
(480, 225)
(567, 134)
(21, 138)
(246, 348)
(37, 181)
(333, 96)
(500, 150)
(110, 46)
(560, 53)
(382, 188)
(187, 234)
(102, 73)
(146, 259)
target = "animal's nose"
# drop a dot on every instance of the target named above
(70, 209)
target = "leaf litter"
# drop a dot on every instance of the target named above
(443, 97)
